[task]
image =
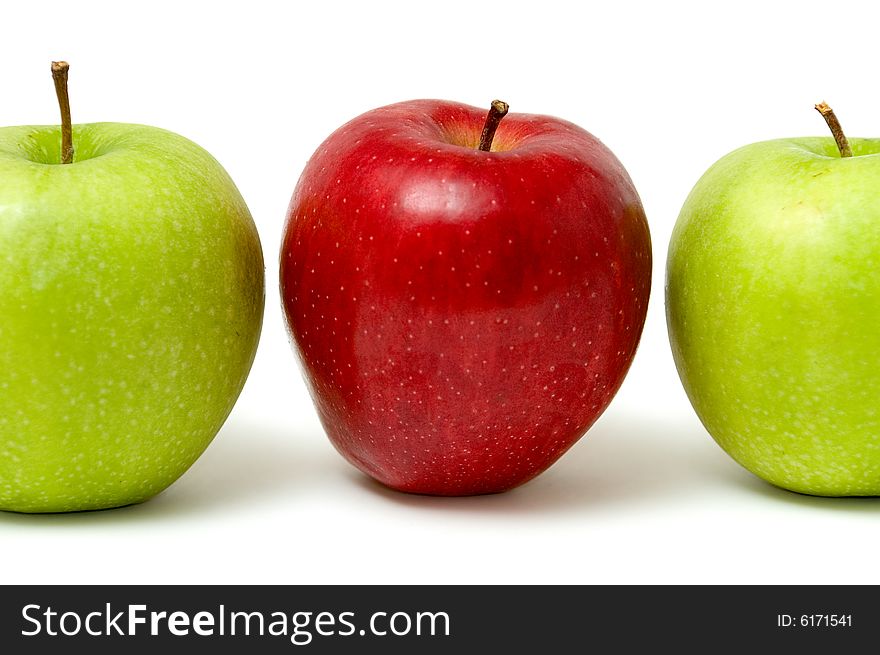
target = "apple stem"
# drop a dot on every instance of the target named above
(836, 129)
(59, 76)
(497, 111)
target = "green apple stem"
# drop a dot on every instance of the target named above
(59, 76)
(497, 111)
(836, 129)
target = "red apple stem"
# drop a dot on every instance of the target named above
(497, 111)
(836, 129)
(59, 76)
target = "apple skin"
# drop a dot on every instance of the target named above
(773, 303)
(131, 297)
(462, 317)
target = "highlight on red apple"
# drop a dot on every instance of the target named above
(465, 291)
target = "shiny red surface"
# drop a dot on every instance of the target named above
(462, 317)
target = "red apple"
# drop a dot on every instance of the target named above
(462, 316)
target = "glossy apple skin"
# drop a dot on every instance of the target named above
(462, 317)
(773, 307)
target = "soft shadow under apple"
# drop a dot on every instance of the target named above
(622, 460)
(862, 504)
(244, 465)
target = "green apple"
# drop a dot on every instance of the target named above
(773, 308)
(131, 301)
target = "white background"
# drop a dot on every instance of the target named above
(646, 496)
